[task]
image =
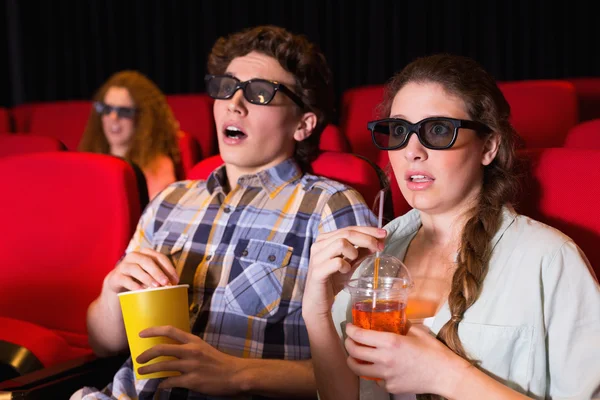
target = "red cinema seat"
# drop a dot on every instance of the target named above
(585, 135)
(359, 106)
(560, 190)
(21, 116)
(542, 111)
(588, 96)
(69, 225)
(4, 120)
(346, 168)
(195, 115)
(332, 139)
(190, 152)
(63, 120)
(11, 144)
(203, 169)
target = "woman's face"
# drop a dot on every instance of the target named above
(119, 127)
(438, 181)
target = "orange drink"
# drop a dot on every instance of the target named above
(386, 316)
(379, 305)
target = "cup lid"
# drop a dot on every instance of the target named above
(153, 289)
(388, 267)
(392, 274)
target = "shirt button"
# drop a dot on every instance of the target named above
(208, 257)
(272, 258)
(227, 210)
(195, 309)
(244, 253)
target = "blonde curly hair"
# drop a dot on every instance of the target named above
(156, 130)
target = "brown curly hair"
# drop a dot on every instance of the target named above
(156, 130)
(297, 55)
(466, 79)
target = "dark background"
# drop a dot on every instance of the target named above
(59, 50)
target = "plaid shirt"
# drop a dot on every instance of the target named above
(245, 256)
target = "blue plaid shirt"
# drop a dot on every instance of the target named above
(245, 256)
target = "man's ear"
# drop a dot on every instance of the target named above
(490, 148)
(306, 126)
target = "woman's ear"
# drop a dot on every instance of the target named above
(306, 126)
(490, 148)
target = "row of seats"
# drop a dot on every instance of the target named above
(585, 135)
(543, 112)
(68, 218)
(77, 234)
(65, 122)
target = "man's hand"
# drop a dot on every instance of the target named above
(138, 270)
(203, 368)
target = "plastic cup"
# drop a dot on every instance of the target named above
(142, 309)
(380, 294)
(382, 309)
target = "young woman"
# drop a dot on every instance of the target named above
(132, 120)
(513, 303)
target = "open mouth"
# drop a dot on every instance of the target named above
(234, 133)
(420, 178)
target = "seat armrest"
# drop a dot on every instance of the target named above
(62, 380)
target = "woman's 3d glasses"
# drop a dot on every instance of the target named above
(436, 133)
(122, 112)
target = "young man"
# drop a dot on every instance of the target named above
(241, 239)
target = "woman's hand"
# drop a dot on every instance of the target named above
(415, 363)
(333, 258)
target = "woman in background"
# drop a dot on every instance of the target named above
(132, 120)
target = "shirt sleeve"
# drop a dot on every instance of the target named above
(144, 232)
(346, 208)
(572, 319)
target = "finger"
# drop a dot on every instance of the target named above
(361, 352)
(339, 247)
(371, 338)
(169, 365)
(321, 272)
(360, 369)
(148, 264)
(165, 264)
(173, 382)
(368, 230)
(168, 331)
(126, 282)
(160, 350)
(137, 272)
(357, 239)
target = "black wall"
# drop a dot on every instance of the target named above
(56, 50)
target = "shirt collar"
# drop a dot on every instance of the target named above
(272, 180)
(409, 224)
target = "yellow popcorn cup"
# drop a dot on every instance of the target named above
(142, 309)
